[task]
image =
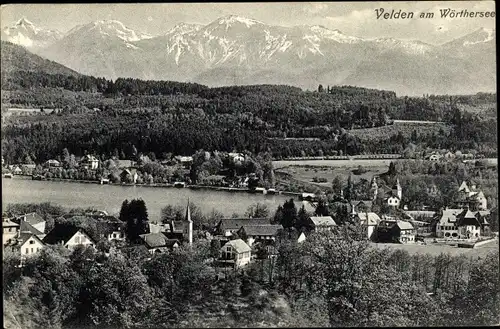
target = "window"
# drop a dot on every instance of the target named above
(27, 251)
(32, 242)
(114, 236)
(37, 249)
(31, 250)
(77, 239)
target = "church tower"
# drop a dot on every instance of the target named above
(189, 229)
(374, 189)
(399, 190)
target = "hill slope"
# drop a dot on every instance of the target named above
(16, 58)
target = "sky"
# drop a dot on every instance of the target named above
(352, 18)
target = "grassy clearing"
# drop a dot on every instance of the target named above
(349, 164)
(436, 250)
(306, 173)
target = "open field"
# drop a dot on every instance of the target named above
(306, 173)
(436, 250)
(354, 163)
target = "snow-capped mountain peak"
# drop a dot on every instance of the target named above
(25, 33)
(183, 28)
(232, 19)
(335, 35)
(118, 29)
(25, 23)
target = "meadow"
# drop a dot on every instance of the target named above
(435, 249)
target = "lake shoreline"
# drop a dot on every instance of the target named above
(70, 194)
(161, 185)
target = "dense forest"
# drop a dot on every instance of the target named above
(303, 286)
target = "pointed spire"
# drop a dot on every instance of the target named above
(188, 213)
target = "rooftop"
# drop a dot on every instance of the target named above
(265, 230)
(323, 221)
(239, 246)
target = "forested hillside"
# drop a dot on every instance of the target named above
(107, 117)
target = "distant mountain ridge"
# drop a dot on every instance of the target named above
(235, 50)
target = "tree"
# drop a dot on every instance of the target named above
(135, 215)
(337, 184)
(169, 213)
(65, 156)
(278, 215)
(215, 248)
(322, 208)
(348, 189)
(289, 217)
(303, 222)
(320, 89)
(257, 210)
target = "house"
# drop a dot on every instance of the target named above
(309, 207)
(113, 230)
(322, 223)
(259, 233)
(33, 219)
(435, 157)
(468, 225)
(27, 168)
(360, 206)
(301, 238)
(27, 228)
(185, 161)
(158, 242)
(449, 155)
(470, 196)
(236, 157)
(433, 190)
(52, 163)
(129, 176)
(89, 162)
(396, 231)
(235, 252)
(446, 223)
(158, 228)
(9, 230)
(17, 171)
(68, 236)
(393, 201)
(308, 197)
(228, 227)
(369, 220)
(26, 244)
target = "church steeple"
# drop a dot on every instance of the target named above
(399, 189)
(374, 188)
(189, 225)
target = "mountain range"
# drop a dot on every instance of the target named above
(235, 50)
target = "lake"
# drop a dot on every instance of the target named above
(110, 197)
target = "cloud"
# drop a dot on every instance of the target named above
(316, 8)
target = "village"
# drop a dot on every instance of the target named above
(463, 223)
